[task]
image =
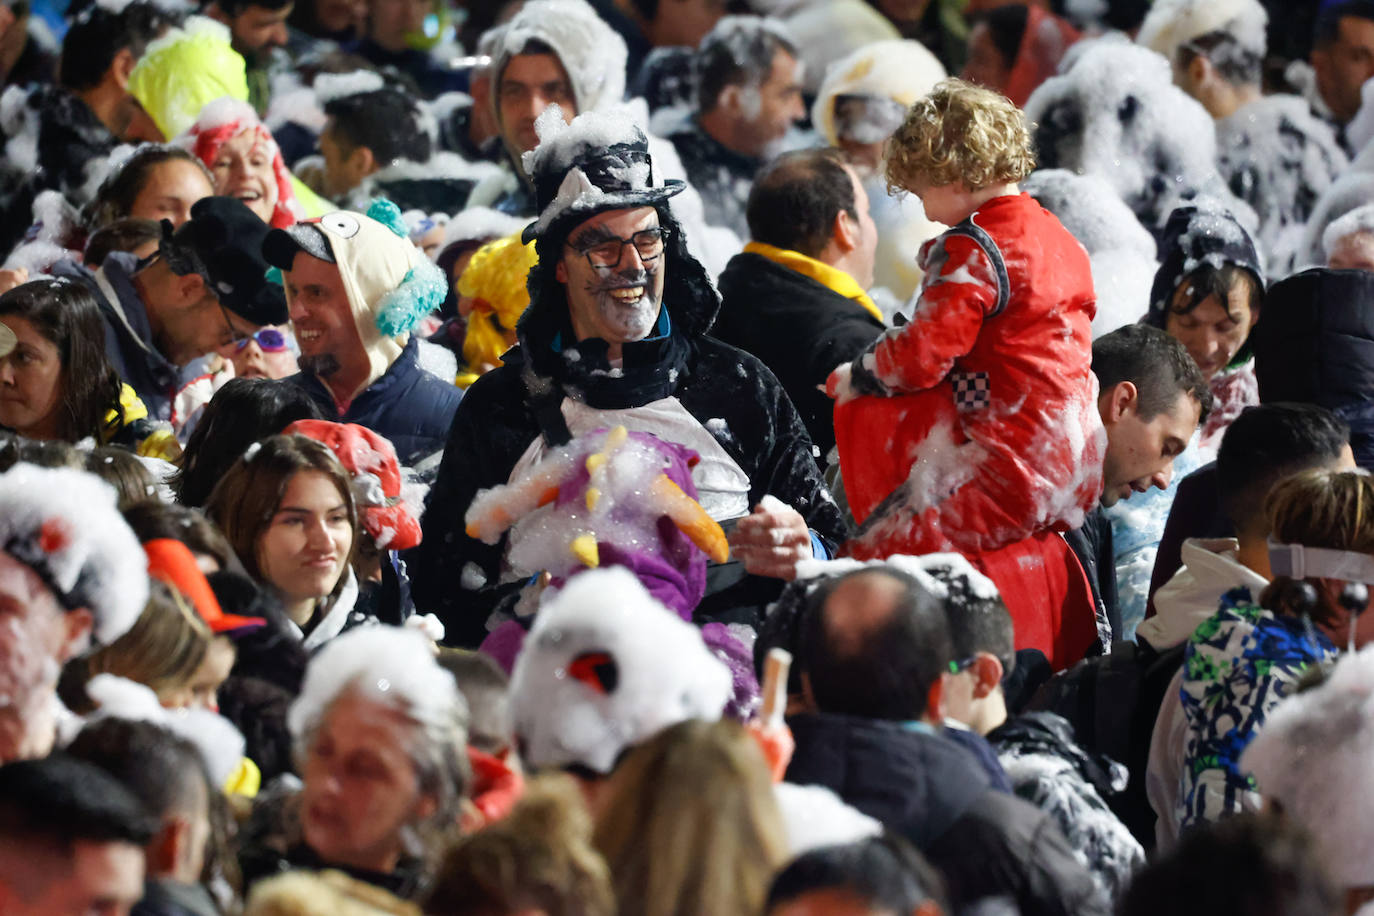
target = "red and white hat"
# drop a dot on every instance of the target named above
(371, 461)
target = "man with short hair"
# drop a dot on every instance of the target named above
(356, 289)
(257, 29)
(795, 297)
(1274, 153)
(1037, 749)
(364, 134)
(616, 334)
(166, 773)
(205, 288)
(70, 571)
(81, 119)
(71, 840)
(553, 52)
(1152, 398)
(749, 94)
(875, 661)
(1343, 56)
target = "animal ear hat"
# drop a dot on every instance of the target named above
(390, 284)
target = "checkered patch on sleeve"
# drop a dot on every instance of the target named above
(970, 390)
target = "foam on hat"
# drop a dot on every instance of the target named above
(183, 70)
(64, 524)
(1171, 24)
(606, 667)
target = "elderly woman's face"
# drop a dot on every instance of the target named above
(243, 169)
(361, 788)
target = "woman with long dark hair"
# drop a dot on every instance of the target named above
(57, 383)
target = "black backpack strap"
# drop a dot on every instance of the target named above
(969, 229)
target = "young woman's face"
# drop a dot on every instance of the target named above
(305, 547)
(170, 190)
(30, 382)
(361, 787)
(243, 170)
(202, 692)
(1215, 331)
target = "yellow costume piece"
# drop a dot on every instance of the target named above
(185, 69)
(495, 281)
(832, 278)
(246, 779)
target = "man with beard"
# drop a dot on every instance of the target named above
(355, 289)
(71, 572)
(749, 93)
(615, 335)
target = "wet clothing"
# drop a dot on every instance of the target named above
(987, 395)
(1050, 770)
(1279, 158)
(721, 176)
(1238, 665)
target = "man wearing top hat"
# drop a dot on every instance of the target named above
(616, 334)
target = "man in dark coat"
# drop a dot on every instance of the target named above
(615, 334)
(356, 288)
(795, 297)
(875, 660)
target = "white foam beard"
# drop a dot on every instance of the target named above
(632, 319)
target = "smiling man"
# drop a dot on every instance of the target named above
(356, 288)
(615, 334)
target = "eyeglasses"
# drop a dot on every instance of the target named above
(608, 254)
(270, 340)
(961, 665)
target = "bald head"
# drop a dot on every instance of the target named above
(874, 643)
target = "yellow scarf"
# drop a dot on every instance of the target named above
(832, 278)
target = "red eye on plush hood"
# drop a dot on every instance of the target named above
(597, 670)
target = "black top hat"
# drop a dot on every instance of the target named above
(222, 242)
(593, 179)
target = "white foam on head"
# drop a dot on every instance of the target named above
(220, 744)
(1116, 113)
(1361, 219)
(389, 665)
(561, 144)
(664, 673)
(331, 86)
(72, 517)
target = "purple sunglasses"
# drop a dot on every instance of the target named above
(269, 339)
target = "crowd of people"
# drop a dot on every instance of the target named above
(686, 457)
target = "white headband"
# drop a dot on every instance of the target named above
(1299, 562)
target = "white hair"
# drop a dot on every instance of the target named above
(394, 667)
